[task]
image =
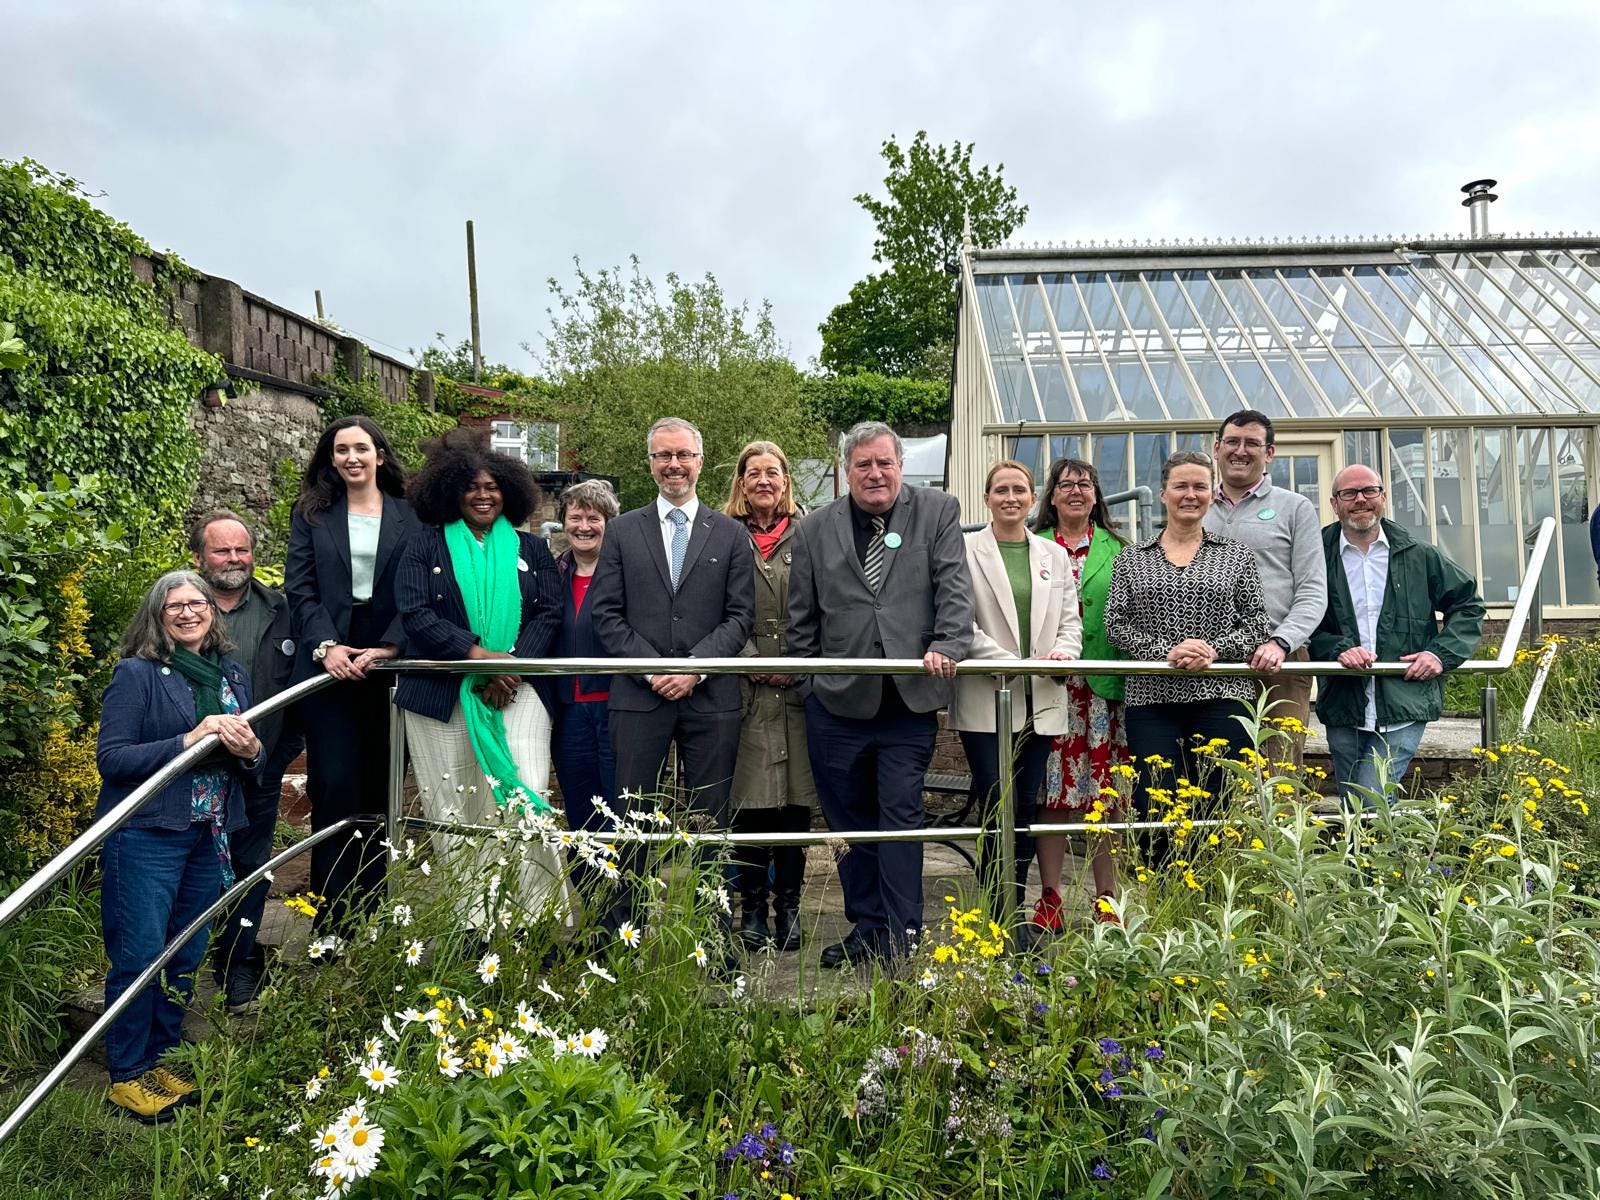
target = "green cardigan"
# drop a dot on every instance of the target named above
(1093, 584)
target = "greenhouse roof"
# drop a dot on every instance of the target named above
(1336, 328)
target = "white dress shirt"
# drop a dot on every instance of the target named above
(691, 509)
(1368, 576)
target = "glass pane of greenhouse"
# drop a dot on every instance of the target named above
(1468, 376)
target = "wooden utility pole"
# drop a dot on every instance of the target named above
(472, 297)
(319, 304)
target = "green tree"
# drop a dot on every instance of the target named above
(621, 353)
(900, 321)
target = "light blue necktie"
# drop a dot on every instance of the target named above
(680, 541)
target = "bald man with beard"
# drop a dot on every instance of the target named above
(1390, 598)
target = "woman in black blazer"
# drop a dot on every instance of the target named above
(350, 525)
(465, 497)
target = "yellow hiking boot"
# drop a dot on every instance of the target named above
(143, 1098)
(171, 1081)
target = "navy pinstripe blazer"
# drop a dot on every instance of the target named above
(435, 618)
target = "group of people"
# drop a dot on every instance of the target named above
(436, 567)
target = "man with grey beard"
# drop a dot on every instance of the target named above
(257, 619)
(1384, 591)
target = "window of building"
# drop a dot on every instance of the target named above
(535, 443)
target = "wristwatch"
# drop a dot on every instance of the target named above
(1287, 649)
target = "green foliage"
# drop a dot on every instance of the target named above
(901, 321)
(624, 355)
(548, 1126)
(842, 400)
(49, 952)
(407, 425)
(280, 513)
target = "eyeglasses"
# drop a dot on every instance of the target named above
(1366, 493)
(1074, 485)
(178, 607)
(666, 456)
(1239, 443)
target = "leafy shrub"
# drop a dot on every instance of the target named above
(842, 400)
(407, 425)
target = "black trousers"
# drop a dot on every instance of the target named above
(786, 865)
(869, 775)
(1172, 731)
(234, 943)
(1031, 753)
(708, 747)
(347, 774)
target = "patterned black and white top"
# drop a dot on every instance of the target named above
(1153, 605)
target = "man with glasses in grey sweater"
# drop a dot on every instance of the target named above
(1283, 529)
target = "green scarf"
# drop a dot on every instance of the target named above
(205, 672)
(486, 573)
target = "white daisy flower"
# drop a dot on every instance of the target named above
(929, 979)
(494, 1062)
(589, 1044)
(600, 972)
(313, 1088)
(426, 868)
(511, 1046)
(413, 952)
(409, 1016)
(365, 1141)
(450, 1062)
(525, 1017)
(379, 1076)
(737, 990)
(246, 923)
(610, 870)
(701, 959)
(489, 967)
(545, 987)
(402, 915)
(628, 935)
(328, 1140)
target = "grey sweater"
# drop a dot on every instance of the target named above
(1283, 529)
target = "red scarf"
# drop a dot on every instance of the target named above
(767, 540)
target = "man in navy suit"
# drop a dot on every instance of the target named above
(675, 579)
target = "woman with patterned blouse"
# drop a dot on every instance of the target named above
(1190, 598)
(1074, 515)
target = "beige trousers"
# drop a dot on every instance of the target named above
(1291, 697)
(454, 789)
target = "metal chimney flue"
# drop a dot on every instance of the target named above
(1479, 197)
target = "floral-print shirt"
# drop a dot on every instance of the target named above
(210, 799)
(1153, 605)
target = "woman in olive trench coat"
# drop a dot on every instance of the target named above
(772, 786)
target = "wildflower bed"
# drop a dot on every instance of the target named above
(1288, 1008)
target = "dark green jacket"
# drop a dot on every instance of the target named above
(1422, 582)
(1093, 584)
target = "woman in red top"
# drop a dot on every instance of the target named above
(580, 744)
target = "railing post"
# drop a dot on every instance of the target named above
(1005, 752)
(1489, 716)
(1536, 612)
(394, 822)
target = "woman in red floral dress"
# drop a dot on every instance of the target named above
(1079, 772)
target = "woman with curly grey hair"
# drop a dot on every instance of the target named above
(170, 861)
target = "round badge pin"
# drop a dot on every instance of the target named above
(892, 540)
(1266, 514)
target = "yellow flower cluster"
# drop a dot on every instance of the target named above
(303, 904)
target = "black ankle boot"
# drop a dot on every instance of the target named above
(754, 931)
(786, 920)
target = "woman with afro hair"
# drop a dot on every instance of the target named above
(472, 586)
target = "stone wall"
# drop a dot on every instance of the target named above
(243, 442)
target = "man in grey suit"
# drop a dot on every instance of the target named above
(675, 580)
(879, 573)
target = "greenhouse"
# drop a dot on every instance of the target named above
(1465, 370)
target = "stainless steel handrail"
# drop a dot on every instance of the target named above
(34, 886)
(57, 1073)
(1536, 688)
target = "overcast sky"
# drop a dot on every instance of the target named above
(341, 146)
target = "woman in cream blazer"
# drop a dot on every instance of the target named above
(1025, 606)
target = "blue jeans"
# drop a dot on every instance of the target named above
(153, 883)
(1356, 753)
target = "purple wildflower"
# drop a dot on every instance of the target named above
(1154, 1052)
(1113, 1091)
(1106, 1077)
(785, 1153)
(1019, 977)
(1124, 1063)
(1101, 1171)
(1042, 969)
(1040, 1008)
(768, 1132)
(1109, 1046)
